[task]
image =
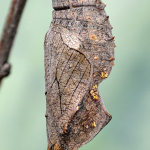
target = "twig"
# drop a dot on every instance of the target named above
(8, 35)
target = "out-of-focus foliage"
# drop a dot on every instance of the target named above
(126, 93)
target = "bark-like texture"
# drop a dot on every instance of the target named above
(8, 36)
(79, 54)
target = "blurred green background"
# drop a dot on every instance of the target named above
(126, 93)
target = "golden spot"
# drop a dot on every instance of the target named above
(86, 126)
(105, 5)
(74, 29)
(104, 69)
(115, 45)
(113, 64)
(95, 87)
(95, 97)
(93, 37)
(72, 14)
(94, 74)
(92, 92)
(94, 125)
(111, 27)
(111, 59)
(104, 75)
(88, 17)
(95, 57)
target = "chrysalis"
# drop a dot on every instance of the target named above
(79, 54)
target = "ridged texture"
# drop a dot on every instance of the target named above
(79, 54)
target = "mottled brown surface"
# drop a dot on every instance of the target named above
(79, 54)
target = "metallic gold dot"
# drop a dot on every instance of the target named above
(104, 75)
(95, 97)
(93, 37)
(91, 92)
(94, 125)
(74, 29)
(94, 74)
(95, 57)
(88, 18)
(95, 87)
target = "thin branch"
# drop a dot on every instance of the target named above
(8, 35)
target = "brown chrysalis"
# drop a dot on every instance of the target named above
(79, 54)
